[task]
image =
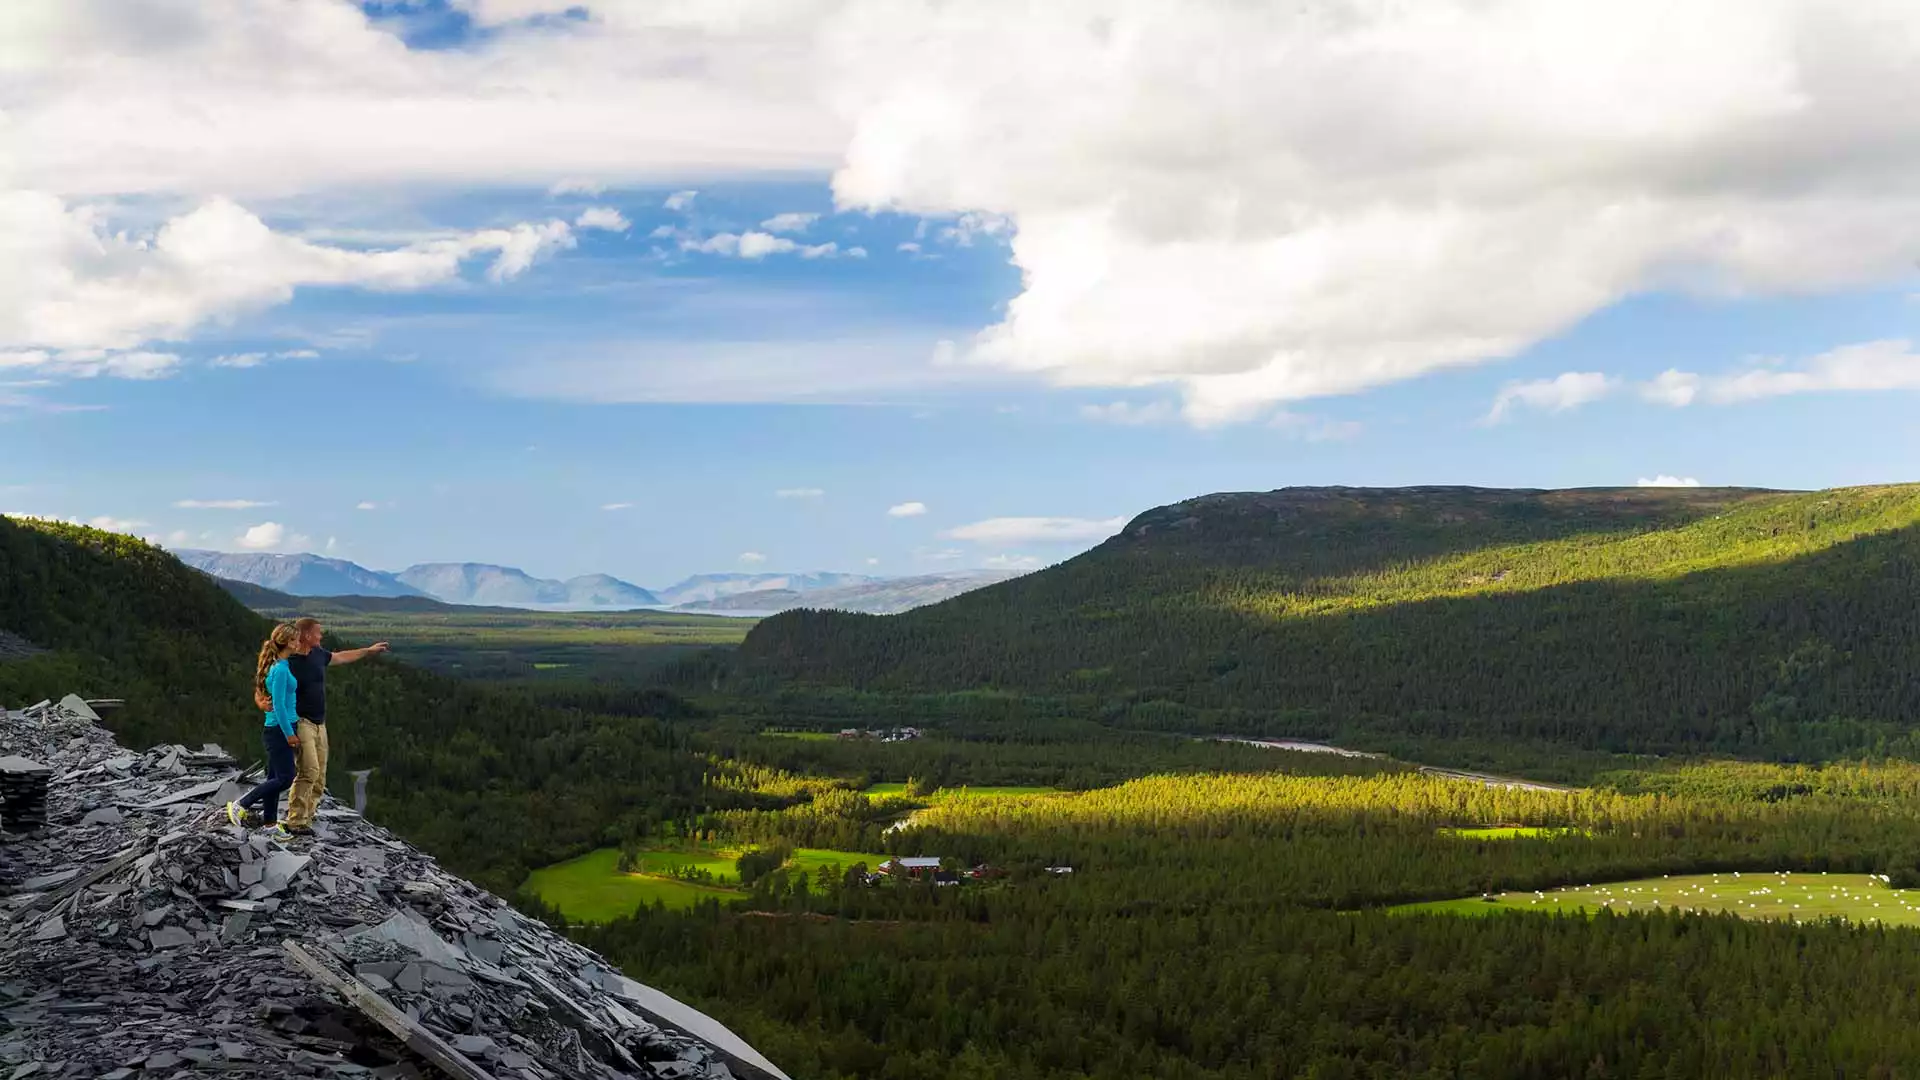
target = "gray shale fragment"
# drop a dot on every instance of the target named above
(151, 943)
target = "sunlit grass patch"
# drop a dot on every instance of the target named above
(1510, 832)
(1859, 898)
(592, 889)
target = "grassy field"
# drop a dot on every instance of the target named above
(1860, 898)
(805, 736)
(959, 792)
(1510, 832)
(502, 643)
(592, 889)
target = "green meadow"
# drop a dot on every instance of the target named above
(1857, 898)
(591, 888)
(1511, 832)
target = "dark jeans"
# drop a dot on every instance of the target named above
(279, 775)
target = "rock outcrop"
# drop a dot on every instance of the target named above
(143, 935)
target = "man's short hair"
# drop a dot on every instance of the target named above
(305, 624)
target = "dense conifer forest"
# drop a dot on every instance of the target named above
(1753, 623)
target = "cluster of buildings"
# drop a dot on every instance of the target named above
(898, 734)
(928, 868)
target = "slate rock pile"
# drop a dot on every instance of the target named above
(23, 793)
(143, 935)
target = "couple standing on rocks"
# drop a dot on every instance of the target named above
(290, 687)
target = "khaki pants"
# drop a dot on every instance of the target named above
(309, 775)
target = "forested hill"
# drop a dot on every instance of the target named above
(492, 783)
(1637, 619)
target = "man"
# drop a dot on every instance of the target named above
(309, 664)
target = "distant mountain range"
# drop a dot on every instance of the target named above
(712, 588)
(485, 584)
(873, 596)
(453, 583)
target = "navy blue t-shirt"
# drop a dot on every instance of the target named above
(310, 673)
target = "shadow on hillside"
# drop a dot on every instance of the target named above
(1812, 656)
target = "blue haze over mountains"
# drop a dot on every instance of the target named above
(506, 586)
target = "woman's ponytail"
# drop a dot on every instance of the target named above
(274, 649)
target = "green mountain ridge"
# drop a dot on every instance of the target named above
(1737, 620)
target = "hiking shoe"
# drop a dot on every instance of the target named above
(298, 830)
(278, 831)
(237, 814)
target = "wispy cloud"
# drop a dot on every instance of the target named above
(755, 245)
(1889, 364)
(1663, 480)
(800, 493)
(617, 506)
(221, 504)
(789, 222)
(1122, 412)
(1559, 394)
(366, 505)
(1036, 530)
(1315, 428)
(681, 201)
(255, 359)
(752, 558)
(88, 363)
(907, 509)
(1011, 562)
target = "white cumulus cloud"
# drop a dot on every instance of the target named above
(680, 201)
(266, 536)
(1036, 530)
(605, 218)
(1567, 391)
(1663, 480)
(98, 289)
(114, 524)
(752, 557)
(1355, 194)
(907, 509)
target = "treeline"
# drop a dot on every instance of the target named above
(1073, 755)
(1777, 626)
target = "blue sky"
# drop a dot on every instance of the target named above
(643, 396)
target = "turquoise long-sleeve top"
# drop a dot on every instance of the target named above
(280, 687)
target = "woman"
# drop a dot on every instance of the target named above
(274, 685)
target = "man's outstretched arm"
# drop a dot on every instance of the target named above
(348, 656)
